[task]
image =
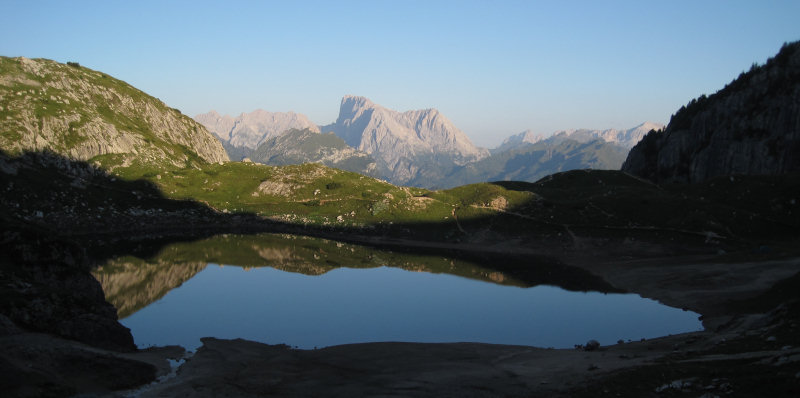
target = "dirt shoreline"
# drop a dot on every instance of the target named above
(244, 368)
(734, 346)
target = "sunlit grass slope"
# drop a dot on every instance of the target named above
(601, 203)
(315, 194)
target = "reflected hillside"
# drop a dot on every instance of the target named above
(131, 283)
(600, 213)
(518, 232)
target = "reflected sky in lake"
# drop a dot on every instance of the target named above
(348, 305)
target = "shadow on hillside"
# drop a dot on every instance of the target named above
(590, 213)
(51, 202)
(60, 218)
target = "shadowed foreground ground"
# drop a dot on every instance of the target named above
(59, 337)
(749, 348)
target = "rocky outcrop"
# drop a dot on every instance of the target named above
(752, 126)
(415, 147)
(46, 288)
(249, 130)
(87, 115)
(308, 146)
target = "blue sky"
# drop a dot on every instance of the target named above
(493, 68)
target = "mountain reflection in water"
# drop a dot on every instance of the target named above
(285, 300)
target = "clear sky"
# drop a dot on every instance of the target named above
(495, 68)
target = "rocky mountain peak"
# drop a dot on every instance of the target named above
(516, 140)
(408, 146)
(530, 136)
(629, 138)
(622, 138)
(249, 130)
(647, 126)
(355, 102)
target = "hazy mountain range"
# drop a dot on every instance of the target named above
(418, 147)
(623, 138)
(530, 162)
(249, 130)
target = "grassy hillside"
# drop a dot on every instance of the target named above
(144, 177)
(306, 146)
(576, 209)
(87, 115)
(564, 210)
(304, 194)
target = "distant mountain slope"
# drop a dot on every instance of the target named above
(752, 126)
(414, 147)
(87, 115)
(528, 156)
(418, 148)
(531, 162)
(249, 130)
(624, 138)
(524, 138)
(307, 146)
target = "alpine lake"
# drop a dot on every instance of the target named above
(309, 292)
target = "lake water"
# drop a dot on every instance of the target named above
(309, 307)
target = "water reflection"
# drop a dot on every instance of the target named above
(294, 290)
(131, 283)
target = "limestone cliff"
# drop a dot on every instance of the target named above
(87, 115)
(414, 147)
(752, 126)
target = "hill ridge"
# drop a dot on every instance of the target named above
(751, 126)
(87, 115)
